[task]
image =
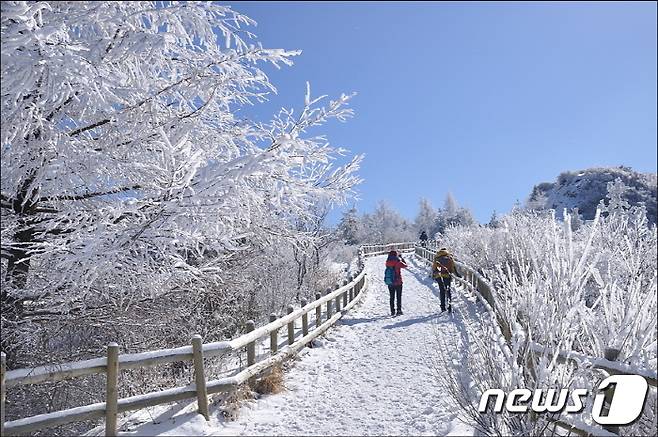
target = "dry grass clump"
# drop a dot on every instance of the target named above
(271, 383)
(231, 404)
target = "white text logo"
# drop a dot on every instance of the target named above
(625, 406)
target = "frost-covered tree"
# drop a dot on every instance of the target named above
(494, 221)
(453, 215)
(386, 225)
(126, 170)
(426, 218)
(450, 206)
(616, 198)
(349, 228)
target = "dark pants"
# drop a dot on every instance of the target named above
(444, 287)
(393, 290)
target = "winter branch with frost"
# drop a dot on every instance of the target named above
(121, 150)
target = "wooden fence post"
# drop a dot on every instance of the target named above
(3, 370)
(304, 320)
(328, 306)
(111, 389)
(347, 281)
(291, 326)
(251, 347)
(318, 310)
(274, 337)
(338, 303)
(484, 290)
(200, 377)
(610, 354)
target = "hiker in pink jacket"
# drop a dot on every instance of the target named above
(393, 278)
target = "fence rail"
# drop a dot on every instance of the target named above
(337, 302)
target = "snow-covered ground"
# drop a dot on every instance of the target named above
(371, 375)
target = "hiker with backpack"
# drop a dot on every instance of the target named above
(393, 278)
(423, 239)
(443, 268)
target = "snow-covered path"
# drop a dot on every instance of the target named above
(373, 374)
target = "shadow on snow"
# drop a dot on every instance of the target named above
(356, 321)
(409, 322)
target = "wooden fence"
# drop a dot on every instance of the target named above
(486, 293)
(337, 302)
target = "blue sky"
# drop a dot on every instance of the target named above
(480, 99)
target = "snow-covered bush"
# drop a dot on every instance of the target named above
(581, 291)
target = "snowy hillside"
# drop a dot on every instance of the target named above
(585, 189)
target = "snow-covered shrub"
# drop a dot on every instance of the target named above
(581, 291)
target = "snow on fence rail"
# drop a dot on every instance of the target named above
(337, 303)
(486, 294)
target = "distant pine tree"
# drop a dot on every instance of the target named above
(426, 219)
(494, 221)
(349, 227)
